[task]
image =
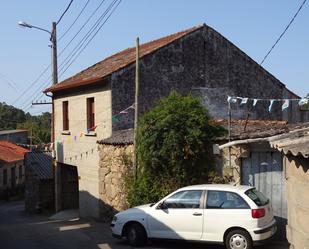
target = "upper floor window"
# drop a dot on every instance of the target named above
(90, 114)
(65, 113)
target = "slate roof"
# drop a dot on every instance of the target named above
(40, 164)
(121, 137)
(10, 152)
(111, 64)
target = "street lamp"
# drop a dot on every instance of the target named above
(53, 39)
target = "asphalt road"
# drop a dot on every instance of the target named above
(19, 230)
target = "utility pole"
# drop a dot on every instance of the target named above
(137, 72)
(57, 169)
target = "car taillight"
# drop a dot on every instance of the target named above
(258, 213)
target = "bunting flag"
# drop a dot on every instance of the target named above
(271, 105)
(286, 104)
(244, 101)
(255, 102)
(231, 99)
(303, 102)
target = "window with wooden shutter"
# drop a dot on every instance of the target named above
(65, 113)
(90, 114)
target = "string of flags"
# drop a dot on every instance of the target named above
(115, 118)
(285, 102)
(80, 155)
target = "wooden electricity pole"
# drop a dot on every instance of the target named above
(137, 74)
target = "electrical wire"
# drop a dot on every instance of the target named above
(79, 47)
(61, 73)
(61, 52)
(64, 12)
(282, 34)
(69, 28)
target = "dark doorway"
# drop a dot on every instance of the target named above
(69, 187)
(13, 177)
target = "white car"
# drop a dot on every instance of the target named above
(237, 216)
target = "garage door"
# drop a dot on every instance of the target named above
(264, 171)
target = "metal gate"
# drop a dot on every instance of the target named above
(264, 171)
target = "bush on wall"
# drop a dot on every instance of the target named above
(174, 148)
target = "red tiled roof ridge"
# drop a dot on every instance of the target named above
(145, 49)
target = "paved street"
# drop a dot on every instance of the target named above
(19, 230)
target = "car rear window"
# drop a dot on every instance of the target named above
(256, 196)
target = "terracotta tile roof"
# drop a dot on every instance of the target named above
(240, 129)
(116, 62)
(10, 152)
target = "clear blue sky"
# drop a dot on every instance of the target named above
(253, 26)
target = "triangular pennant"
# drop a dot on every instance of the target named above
(244, 101)
(271, 105)
(255, 102)
(303, 101)
(285, 104)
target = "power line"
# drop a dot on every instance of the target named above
(80, 48)
(287, 27)
(83, 48)
(61, 52)
(74, 21)
(64, 12)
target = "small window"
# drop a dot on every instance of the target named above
(90, 114)
(65, 113)
(184, 199)
(256, 196)
(5, 177)
(225, 200)
(20, 172)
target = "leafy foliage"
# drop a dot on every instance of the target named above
(14, 118)
(174, 148)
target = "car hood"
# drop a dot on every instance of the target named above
(136, 210)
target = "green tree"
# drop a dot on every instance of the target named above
(174, 148)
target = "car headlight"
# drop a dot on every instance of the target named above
(114, 218)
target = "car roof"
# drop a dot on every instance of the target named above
(225, 187)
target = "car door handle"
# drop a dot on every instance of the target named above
(197, 214)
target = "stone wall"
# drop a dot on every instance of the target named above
(211, 67)
(297, 189)
(228, 163)
(115, 164)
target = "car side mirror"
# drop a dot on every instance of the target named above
(162, 205)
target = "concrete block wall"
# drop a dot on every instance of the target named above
(297, 189)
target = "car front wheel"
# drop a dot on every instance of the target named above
(238, 239)
(136, 235)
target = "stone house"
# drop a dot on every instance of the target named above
(89, 106)
(12, 170)
(39, 182)
(14, 136)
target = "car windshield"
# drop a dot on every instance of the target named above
(256, 196)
